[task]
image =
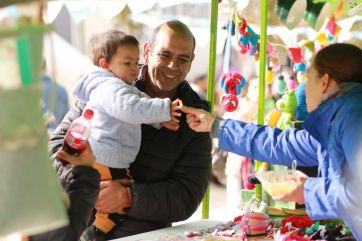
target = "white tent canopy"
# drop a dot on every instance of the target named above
(79, 10)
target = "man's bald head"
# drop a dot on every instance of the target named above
(176, 26)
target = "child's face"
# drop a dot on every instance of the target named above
(124, 63)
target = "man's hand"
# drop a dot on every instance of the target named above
(86, 158)
(113, 196)
(198, 119)
(297, 194)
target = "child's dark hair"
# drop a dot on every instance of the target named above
(105, 44)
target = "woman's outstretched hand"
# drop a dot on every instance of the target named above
(297, 194)
(199, 120)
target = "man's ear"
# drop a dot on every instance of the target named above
(146, 51)
(102, 62)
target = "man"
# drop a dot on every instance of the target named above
(172, 169)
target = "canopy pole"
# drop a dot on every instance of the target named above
(262, 68)
(211, 87)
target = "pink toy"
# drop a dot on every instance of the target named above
(255, 223)
(292, 84)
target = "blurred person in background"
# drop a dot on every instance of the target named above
(199, 85)
(54, 100)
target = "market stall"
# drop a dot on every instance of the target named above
(260, 218)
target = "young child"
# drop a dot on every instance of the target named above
(119, 110)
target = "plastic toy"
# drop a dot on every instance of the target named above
(272, 118)
(292, 83)
(281, 85)
(287, 104)
(231, 84)
(273, 57)
(249, 39)
(255, 223)
(301, 77)
(295, 54)
(301, 112)
(269, 76)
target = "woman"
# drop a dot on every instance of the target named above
(331, 138)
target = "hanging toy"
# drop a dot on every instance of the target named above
(295, 54)
(231, 84)
(299, 68)
(272, 118)
(332, 29)
(301, 77)
(269, 76)
(230, 26)
(249, 39)
(281, 85)
(292, 83)
(321, 38)
(301, 112)
(273, 56)
(309, 47)
(287, 105)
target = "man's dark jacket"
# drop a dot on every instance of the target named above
(172, 169)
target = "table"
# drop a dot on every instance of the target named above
(180, 229)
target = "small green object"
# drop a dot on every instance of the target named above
(281, 85)
(312, 229)
(309, 231)
(287, 104)
(24, 57)
(312, 12)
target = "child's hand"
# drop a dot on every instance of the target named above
(171, 125)
(176, 106)
(86, 158)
